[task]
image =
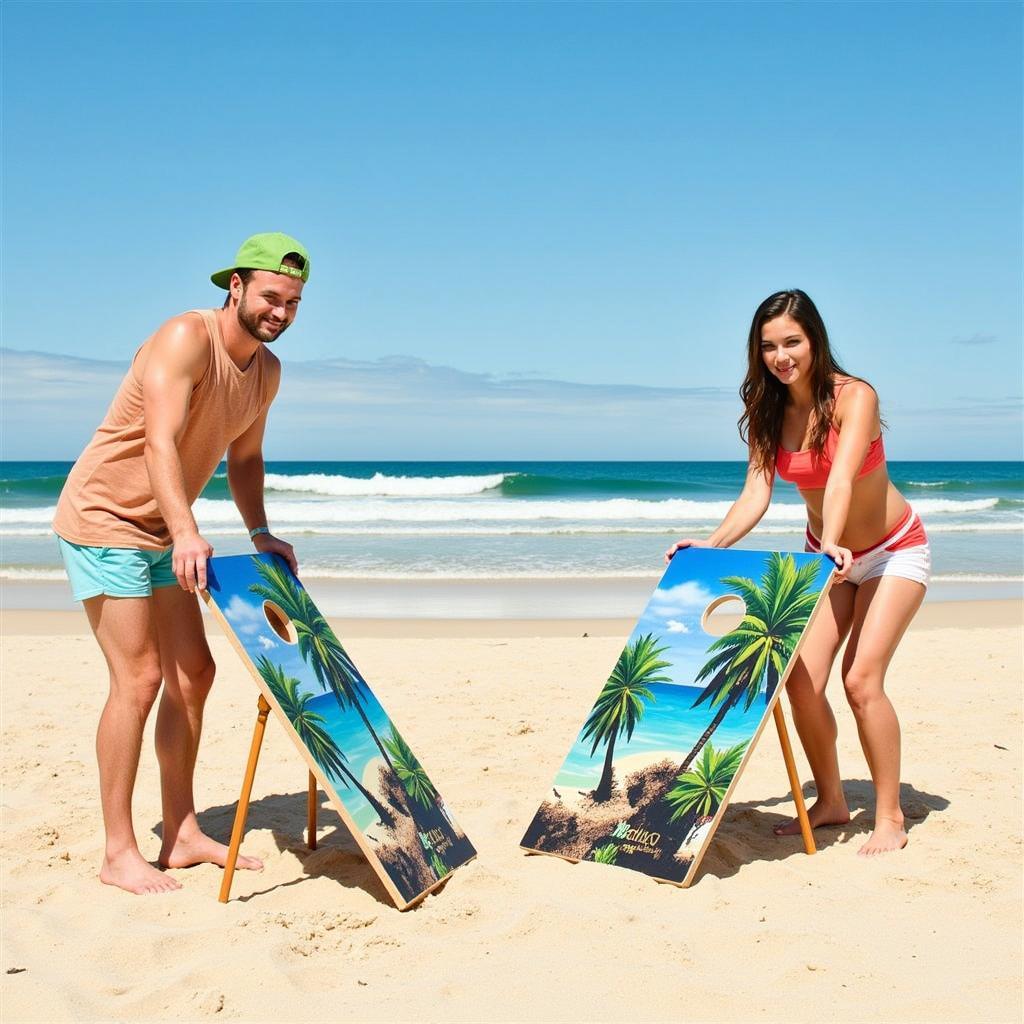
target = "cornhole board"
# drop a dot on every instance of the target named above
(326, 707)
(652, 769)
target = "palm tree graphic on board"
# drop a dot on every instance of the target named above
(606, 854)
(620, 704)
(409, 770)
(702, 789)
(310, 727)
(318, 645)
(754, 655)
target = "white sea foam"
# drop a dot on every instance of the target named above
(381, 485)
(371, 515)
(938, 506)
(16, 572)
(668, 528)
(474, 575)
(27, 515)
(1012, 526)
(489, 511)
(623, 510)
(580, 530)
(23, 574)
(439, 574)
(976, 577)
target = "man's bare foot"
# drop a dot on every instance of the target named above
(888, 835)
(131, 872)
(820, 815)
(199, 848)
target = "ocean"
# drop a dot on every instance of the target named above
(444, 522)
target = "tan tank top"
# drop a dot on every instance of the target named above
(107, 500)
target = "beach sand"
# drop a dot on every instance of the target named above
(765, 934)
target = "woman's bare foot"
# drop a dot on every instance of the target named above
(199, 848)
(888, 835)
(131, 872)
(820, 815)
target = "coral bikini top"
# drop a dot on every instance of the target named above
(810, 472)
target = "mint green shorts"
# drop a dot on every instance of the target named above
(116, 572)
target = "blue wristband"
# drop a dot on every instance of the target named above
(257, 530)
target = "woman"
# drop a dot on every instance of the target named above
(819, 427)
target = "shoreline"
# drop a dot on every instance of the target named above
(502, 600)
(34, 622)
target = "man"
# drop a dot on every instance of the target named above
(200, 385)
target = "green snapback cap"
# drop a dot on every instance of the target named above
(265, 252)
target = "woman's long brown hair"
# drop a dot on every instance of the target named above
(764, 395)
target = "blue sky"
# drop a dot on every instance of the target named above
(541, 210)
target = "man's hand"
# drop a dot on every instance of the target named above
(188, 559)
(267, 542)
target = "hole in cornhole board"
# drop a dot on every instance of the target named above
(280, 623)
(723, 615)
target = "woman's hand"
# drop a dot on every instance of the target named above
(680, 544)
(843, 558)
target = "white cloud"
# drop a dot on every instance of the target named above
(404, 408)
(672, 603)
(396, 407)
(675, 626)
(265, 642)
(244, 617)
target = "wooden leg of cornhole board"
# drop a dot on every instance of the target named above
(794, 780)
(311, 813)
(243, 800)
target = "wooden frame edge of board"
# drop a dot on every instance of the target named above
(690, 876)
(416, 900)
(532, 852)
(392, 890)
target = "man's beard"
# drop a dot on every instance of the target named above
(252, 324)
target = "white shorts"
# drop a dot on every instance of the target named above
(887, 558)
